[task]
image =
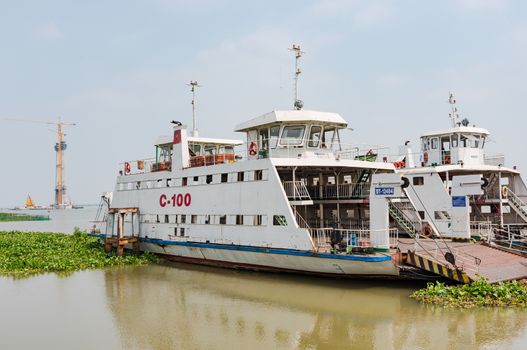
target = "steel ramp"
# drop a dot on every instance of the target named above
(472, 261)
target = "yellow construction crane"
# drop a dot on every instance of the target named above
(60, 147)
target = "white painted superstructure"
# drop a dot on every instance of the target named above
(291, 198)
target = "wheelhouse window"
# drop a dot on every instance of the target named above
(264, 138)
(463, 141)
(454, 141)
(474, 141)
(434, 143)
(328, 137)
(293, 135)
(274, 133)
(314, 136)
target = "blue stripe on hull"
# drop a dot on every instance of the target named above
(370, 258)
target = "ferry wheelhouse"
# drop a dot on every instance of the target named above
(460, 151)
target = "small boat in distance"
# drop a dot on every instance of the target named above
(29, 205)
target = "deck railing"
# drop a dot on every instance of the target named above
(342, 191)
(142, 166)
(436, 250)
(483, 229)
(296, 190)
(344, 239)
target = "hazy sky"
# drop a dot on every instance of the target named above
(119, 69)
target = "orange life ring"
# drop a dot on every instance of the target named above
(427, 231)
(127, 167)
(253, 149)
(425, 157)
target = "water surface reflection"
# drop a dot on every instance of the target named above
(199, 308)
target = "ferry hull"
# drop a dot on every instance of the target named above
(276, 260)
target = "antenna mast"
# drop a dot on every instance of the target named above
(298, 104)
(193, 85)
(454, 115)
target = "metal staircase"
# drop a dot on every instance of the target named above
(296, 190)
(403, 220)
(358, 189)
(300, 220)
(517, 204)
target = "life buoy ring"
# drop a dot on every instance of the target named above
(127, 167)
(446, 159)
(425, 157)
(253, 149)
(504, 192)
(427, 231)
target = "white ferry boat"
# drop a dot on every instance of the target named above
(460, 150)
(274, 208)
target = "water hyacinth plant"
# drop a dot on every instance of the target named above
(26, 253)
(478, 293)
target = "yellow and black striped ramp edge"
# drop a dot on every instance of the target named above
(437, 268)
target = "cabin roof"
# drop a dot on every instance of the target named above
(164, 140)
(458, 129)
(222, 142)
(293, 116)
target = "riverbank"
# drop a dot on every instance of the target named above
(476, 294)
(28, 253)
(8, 217)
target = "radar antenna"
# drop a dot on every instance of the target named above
(193, 85)
(298, 104)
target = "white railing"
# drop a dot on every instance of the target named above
(142, 166)
(296, 190)
(345, 238)
(484, 229)
(342, 191)
(436, 250)
(321, 238)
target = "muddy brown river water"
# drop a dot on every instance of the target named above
(187, 307)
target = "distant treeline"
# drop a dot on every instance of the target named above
(22, 217)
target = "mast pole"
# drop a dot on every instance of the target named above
(193, 85)
(298, 104)
(453, 114)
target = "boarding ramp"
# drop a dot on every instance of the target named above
(464, 262)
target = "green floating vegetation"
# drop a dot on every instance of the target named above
(27, 253)
(476, 294)
(4, 217)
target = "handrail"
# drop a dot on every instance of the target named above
(296, 190)
(463, 261)
(348, 238)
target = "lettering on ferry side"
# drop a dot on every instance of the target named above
(163, 200)
(178, 200)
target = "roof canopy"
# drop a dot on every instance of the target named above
(165, 140)
(459, 129)
(293, 116)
